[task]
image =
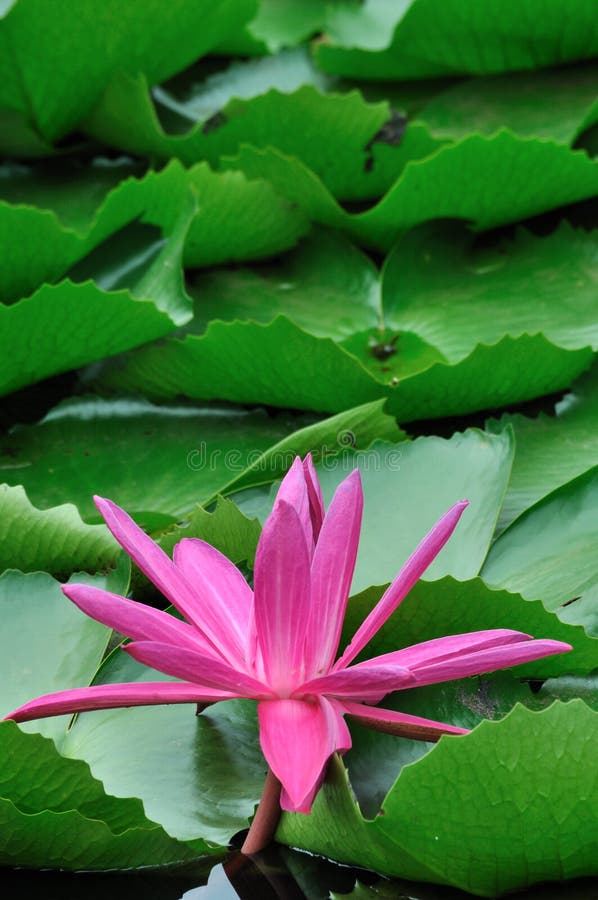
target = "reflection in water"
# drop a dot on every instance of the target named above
(276, 874)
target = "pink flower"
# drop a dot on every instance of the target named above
(278, 643)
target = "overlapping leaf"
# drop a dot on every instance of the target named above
(489, 181)
(158, 461)
(320, 312)
(357, 148)
(423, 38)
(48, 224)
(551, 449)
(54, 68)
(56, 813)
(477, 812)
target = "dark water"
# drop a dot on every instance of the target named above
(276, 874)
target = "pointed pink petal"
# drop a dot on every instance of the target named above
(487, 661)
(314, 492)
(298, 738)
(293, 490)
(282, 597)
(413, 569)
(135, 620)
(401, 724)
(110, 696)
(194, 667)
(223, 597)
(370, 683)
(331, 573)
(158, 567)
(440, 649)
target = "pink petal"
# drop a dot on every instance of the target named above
(370, 683)
(223, 597)
(159, 568)
(487, 661)
(298, 738)
(440, 649)
(314, 492)
(194, 667)
(331, 573)
(282, 597)
(109, 696)
(293, 490)
(401, 724)
(135, 620)
(413, 569)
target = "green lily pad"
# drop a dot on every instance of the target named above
(158, 462)
(407, 487)
(201, 776)
(551, 449)
(47, 643)
(54, 540)
(56, 76)
(511, 811)
(316, 318)
(548, 552)
(59, 816)
(554, 104)
(447, 606)
(49, 223)
(489, 181)
(455, 294)
(137, 294)
(422, 38)
(357, 148)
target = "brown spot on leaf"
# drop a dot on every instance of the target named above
(391, 133)
(214, 122)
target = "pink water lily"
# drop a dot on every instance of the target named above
(278, 643)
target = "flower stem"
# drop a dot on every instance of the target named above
(266, 817)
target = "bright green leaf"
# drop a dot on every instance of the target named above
(54, 540)
(488, 813)
(56, 64)
(421, 38)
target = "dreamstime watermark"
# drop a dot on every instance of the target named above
(341, 456)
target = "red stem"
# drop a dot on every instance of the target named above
(266, 817)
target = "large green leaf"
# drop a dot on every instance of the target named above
(48, 223)
(487, 180)
(548, 552)
(555, 104)
(56, 64)
(408, 486)
(54, 540)
(316, 318)
(202, 776)
(56, 815)
(509, 371)
(198, 776)
(489, 813)
(421, 38)
(455, 294)
(47, 643)
(136, 294)
(447, 606)
(159, 461)
(357, 148)
(551, 449)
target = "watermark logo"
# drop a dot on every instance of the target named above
(341, 455)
